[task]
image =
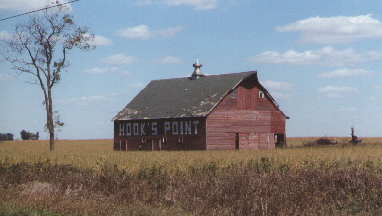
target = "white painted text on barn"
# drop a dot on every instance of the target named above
(152, 128)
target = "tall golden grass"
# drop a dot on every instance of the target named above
(90, 153)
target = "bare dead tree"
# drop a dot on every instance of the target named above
(39, 47)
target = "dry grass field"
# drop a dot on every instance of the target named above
(86, 177)
(90, 153)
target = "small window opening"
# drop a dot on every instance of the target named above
(261, 94)
(180, 139)
(164, 140)
(143, 140)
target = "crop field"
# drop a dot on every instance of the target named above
(86, 177)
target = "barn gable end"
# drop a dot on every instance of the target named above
(247, 118)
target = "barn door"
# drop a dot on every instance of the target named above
(237, 141)
(280, 140)
(156, 145)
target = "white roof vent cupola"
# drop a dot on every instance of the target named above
(197, 72)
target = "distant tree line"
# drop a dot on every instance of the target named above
(25, 135)
(29, 136)
(6, 136)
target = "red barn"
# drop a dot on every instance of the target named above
(228, 111)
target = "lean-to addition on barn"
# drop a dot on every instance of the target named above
(228, 111)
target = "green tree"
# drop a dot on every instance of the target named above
(29, 136)
(39, 48)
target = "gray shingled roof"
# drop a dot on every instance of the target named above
(181, 97)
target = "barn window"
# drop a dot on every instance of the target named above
(143, 139)
(164, 139)
(180, 139)
(261, 94)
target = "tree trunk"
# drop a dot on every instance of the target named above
(50, 121)
(51, 141)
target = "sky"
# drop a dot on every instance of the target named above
(320, 60)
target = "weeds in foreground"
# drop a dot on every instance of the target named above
(253, 187)
(10, 210)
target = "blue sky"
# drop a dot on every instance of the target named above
(320, 60)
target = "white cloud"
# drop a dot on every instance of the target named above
(278, 89)
(126, 73)
(7, 77)
(142, 32)
(137, 85)
(197, 4)
(84, 100)
(335, 92)
(169, 32)
(168, 60)
(143, 3)
(4, 35)
(101, 70)
(100, 41)
(26, 5)
(289, 57)
(326, 56)
(341, 73)
(377, 87)
(346, 110)
(119, 59)
(375, 99)
(340, 29)
(336, 89)
(281, 95)
(338, 58)
(97, 70)
(273, 85)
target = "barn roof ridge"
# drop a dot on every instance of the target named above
(208, 75)
(182, 97)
